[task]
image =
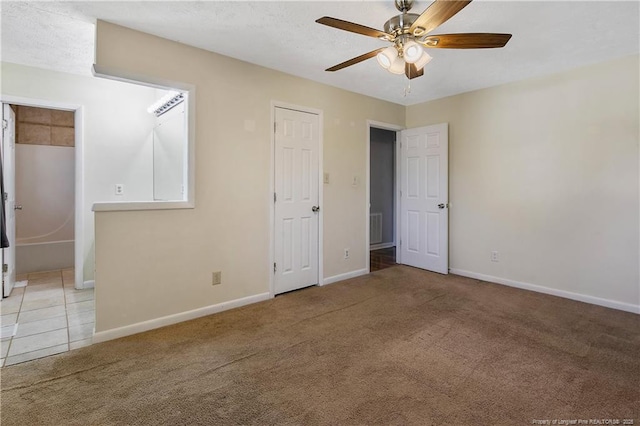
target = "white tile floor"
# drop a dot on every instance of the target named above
(51, 317)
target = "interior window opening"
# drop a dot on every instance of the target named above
(152, 166)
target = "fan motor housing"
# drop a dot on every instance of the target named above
(400, 24)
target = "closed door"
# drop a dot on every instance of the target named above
(424, 198)
(296, 163)
(8, 171)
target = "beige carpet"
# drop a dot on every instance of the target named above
(399, 346)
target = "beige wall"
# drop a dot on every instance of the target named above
(545, 171)
(151, 264)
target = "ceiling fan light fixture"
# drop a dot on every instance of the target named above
(397, 66)
(387, 57)
(412, 52)
(409, 33)
(424, 60)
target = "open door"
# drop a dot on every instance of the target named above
(424, 208)
(8, 171)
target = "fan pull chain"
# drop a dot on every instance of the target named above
(407, 89)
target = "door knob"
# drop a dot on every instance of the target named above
(315, 209)
(17, 207)
(442, 206)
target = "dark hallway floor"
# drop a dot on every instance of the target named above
(383, 258)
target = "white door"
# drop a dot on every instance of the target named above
(9, 173)
(424, 214)
(296, 163)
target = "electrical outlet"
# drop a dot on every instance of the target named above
(216, 278)
(495, 257)
(119, 189)
(346, 253)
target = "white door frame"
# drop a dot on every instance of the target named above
(272, 204)
(9, 206)
(397, 199)
(79, 174)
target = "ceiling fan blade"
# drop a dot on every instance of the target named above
(412, 72)
(355, 60)
(437, 14)
(354, 28)
(466, 41)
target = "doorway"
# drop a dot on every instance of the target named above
(297, 195)
(43, 311)
(63, 127)
(421, 202)
(382, 196)
(44, 189)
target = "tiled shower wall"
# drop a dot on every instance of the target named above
(41, 126)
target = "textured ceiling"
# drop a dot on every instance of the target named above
(548, 37)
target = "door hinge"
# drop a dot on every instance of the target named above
(5, 267)
(275, 127)
(400, 193)
(400, 242)
(5, 124)
(5, 196)
(275, 197)
(274, 267)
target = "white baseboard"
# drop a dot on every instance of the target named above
(345, 276)
(628, 307)
(115, 333)
(87, 284)
(381, 246)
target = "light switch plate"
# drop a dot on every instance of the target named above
(326, 177)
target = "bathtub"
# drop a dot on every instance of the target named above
(44, 256)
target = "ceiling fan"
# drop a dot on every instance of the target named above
(409, 33)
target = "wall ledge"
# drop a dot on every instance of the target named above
(128, 330)
(607, 303)
(345, 276)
